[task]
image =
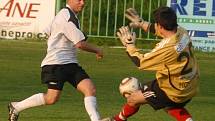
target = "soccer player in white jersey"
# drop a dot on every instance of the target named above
(61, 65)
(173, 61)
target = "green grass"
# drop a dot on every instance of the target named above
(20, 78)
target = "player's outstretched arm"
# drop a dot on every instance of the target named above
(136, 21)
(128, 40)
(126, 37)
(83, 45)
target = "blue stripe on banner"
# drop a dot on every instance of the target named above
(195, 33)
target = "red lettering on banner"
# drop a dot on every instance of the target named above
(21, 13)
(30, 10)
(10, 3)
(26, 10)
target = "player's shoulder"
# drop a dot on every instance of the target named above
(181, 30)
(63, 14)
(182, 39)
(181, 34)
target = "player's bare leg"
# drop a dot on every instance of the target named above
(88, 89)
(35, 100)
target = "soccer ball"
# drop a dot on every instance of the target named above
(129, 85)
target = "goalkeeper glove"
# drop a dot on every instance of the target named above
(132, 15)
(126, 37)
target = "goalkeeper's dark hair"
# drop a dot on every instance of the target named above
(166, 17)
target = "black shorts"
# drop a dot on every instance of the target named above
(161, 100)
(56, 75)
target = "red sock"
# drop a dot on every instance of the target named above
(126, 112)
(181, 114)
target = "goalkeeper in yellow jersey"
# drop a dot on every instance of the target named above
(173, 61)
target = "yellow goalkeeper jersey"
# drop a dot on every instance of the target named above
(176, 67)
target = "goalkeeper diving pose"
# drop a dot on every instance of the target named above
(173, 61)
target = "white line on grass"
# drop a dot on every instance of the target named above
(121, 47)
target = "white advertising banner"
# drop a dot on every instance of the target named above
(198, 17)
(25, 18)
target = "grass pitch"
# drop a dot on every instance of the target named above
(20, 78)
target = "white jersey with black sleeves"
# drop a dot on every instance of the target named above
(63, 35)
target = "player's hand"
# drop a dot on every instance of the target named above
(99, 54)
(126, 37)
(132, 15)
(136, 97)
(139, 97)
